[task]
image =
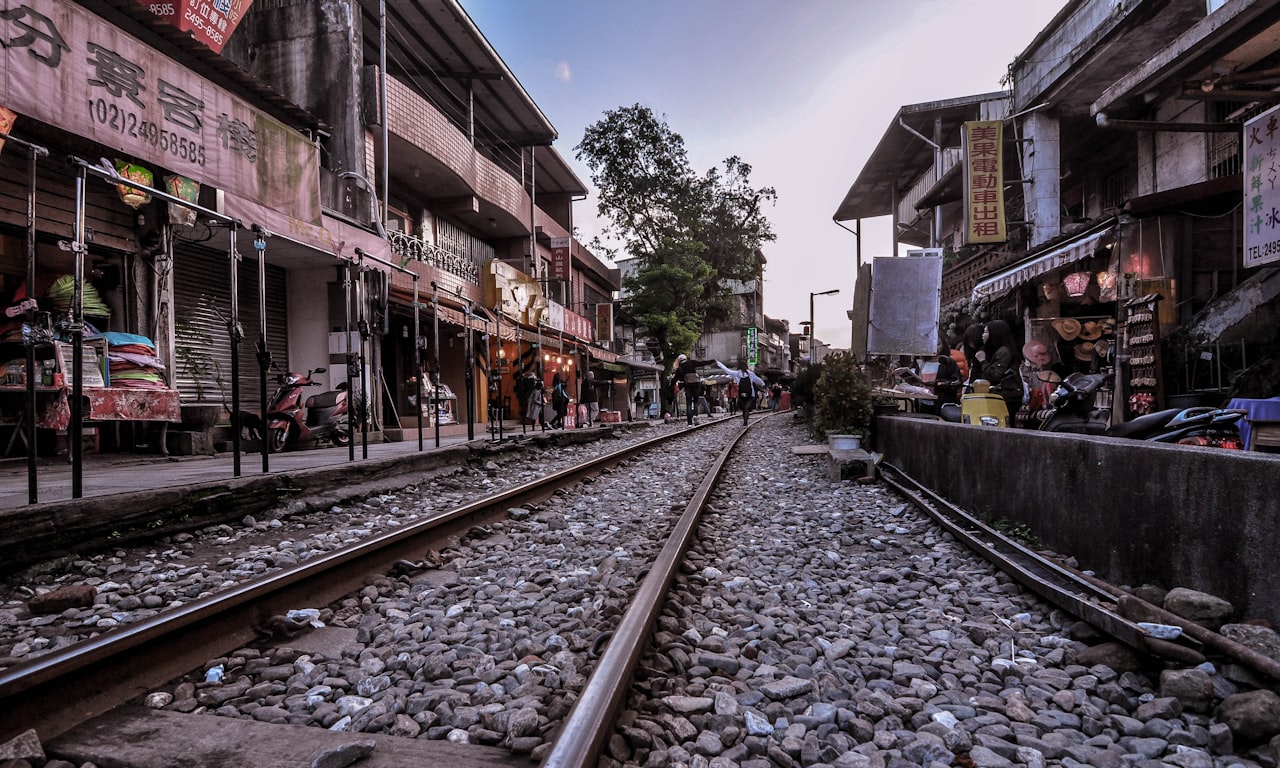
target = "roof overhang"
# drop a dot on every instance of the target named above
(1223, 46)
(435, 47)
(902, 157)
(1074, 249)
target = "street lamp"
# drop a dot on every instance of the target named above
(831, 292)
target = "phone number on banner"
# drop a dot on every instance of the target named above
(130, 124)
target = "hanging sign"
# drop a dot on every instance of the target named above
(984, 220)
(1261, 194)
(209, 22)
(559, 258)
(604, 322)
(753, 345)
(62, 65)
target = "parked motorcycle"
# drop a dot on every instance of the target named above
(291, 421)
(1072, 410)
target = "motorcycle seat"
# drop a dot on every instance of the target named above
(1147, 423)
(325, 399)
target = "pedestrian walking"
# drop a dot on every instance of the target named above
(559, 401)
(589, 396)
(536, 410)
(685, 378)
(749, 386)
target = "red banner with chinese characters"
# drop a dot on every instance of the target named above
(984, 219)
(559, 258)
(209, 22)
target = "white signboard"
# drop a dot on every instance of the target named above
(1262, 189)
(905, 294)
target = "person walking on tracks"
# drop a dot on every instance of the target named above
(559, 401)
(685, 377)
(589, 396)
(749, 386)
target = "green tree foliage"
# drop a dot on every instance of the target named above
(690, 233)
(842, 399)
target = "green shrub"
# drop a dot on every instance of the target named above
(841, 398)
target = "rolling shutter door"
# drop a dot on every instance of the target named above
(202, 289)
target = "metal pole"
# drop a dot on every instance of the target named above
(497, 372)
(417, 357)
(435, 365)
(351, 360)
(34, 152)
(382, 111)
(362, 325)
(468, 374)
(264, 355)
(233, 334)
(77, 344)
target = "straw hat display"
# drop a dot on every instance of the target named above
(1067, 327)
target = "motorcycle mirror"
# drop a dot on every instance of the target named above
(319, 370)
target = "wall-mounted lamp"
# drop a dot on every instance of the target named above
(1077, 283)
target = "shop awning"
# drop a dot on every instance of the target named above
(640, 365)
(603, 355)
(334, 237)
(1069, 252)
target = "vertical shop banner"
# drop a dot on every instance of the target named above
(209, 22)
(559, 258)
(604, 323)
(753, 345)
(984, 220)
(62, 65)
(1261, 194)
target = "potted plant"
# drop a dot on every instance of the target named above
(202, 371)
(842, 406)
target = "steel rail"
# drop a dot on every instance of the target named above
(592, 718)
(57, 691)
(1058, 585)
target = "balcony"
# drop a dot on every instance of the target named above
(907, 212)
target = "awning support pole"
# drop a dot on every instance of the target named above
(34, 151)
(264, 354)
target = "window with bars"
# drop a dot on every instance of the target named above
(1224, 148)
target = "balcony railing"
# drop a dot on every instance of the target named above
(408, 248)
(907, 212)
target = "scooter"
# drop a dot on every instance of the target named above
(292, 421)
(1071, 410)
(978, 405)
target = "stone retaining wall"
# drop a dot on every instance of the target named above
(1131, 511)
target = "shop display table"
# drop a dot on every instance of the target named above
(102, 404)
(1261, 425)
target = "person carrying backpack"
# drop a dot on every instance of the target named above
(749, 386)
(685, 378)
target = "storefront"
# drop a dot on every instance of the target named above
(1097, 302)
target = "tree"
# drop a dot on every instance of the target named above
(689, 233)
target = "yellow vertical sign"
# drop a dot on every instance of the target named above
(984, 220)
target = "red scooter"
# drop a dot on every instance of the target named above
(321, 418)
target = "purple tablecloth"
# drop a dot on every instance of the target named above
(1259, 410)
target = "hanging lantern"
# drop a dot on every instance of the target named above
(187, 190)
(1050, 291)
(131, 196)
(1106, 285)
(1077, 283)
(7, 117)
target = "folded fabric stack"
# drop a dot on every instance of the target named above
(132, 361)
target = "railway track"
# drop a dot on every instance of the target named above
(126, 665)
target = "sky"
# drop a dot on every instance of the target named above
(802, 90)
